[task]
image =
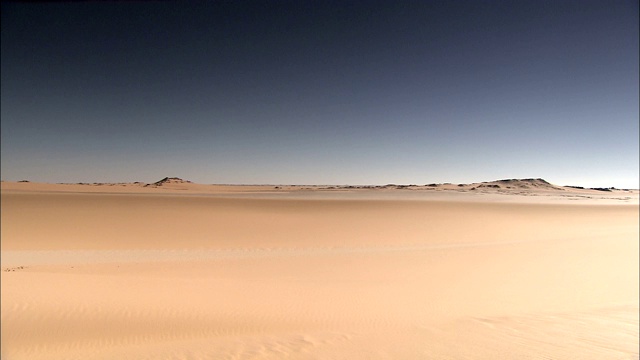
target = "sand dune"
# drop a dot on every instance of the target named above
(189, 271)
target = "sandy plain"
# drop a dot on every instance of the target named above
(524, 270)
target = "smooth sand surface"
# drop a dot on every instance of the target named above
(204, 272)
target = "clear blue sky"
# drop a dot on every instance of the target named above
(321, 92)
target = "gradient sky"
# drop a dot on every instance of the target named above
(321, 92)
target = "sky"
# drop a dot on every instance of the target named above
(321, 92)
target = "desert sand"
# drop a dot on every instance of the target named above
(173, 270)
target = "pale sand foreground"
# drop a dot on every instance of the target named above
(203, 274)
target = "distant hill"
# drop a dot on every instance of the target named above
(540, 184)
(168, 180)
